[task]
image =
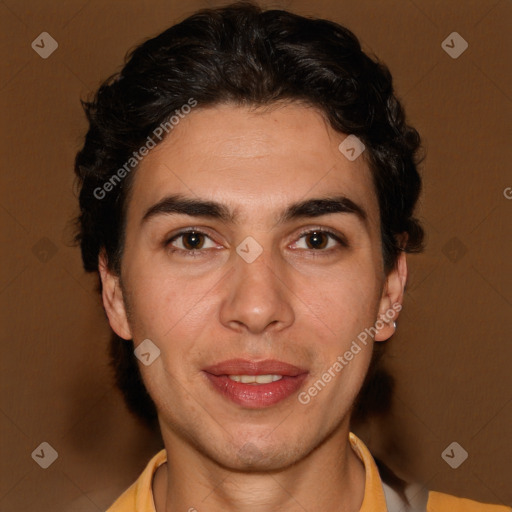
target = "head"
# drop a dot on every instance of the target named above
(229, 125)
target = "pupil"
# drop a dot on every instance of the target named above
(317, 240)
(192, 240)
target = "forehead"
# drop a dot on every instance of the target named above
(253, 160)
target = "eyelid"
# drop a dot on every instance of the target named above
(171, 238)
(338, 237)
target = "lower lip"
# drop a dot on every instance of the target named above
(256, 396)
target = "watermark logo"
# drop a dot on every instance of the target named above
(147, 352)
(44, 249)
(454, 455)
(249, 250)
(45, 455)
(454, 45)
(454, 250)
(44, 45)
(158, 133)
(351, 148)
(343, 360)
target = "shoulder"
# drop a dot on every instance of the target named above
(440, 502)
(139, 496)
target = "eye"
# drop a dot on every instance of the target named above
(189, 241)
(319, 240)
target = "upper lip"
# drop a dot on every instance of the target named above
(247, 367)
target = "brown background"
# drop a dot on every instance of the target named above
(451, 355)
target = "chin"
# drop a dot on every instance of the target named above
(260, 456)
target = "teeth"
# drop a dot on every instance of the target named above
(255, 379)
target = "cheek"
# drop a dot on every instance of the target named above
(165, 304)
(346, 304)
(346, 299)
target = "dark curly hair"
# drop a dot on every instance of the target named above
(244, 55)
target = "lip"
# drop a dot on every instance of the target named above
(255, 396)
(246, 367)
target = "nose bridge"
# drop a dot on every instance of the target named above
(259, 275)
(257, 296)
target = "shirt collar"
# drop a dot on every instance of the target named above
(374, 499)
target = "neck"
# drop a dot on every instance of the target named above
(330, 478)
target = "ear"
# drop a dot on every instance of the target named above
(112, 297)
(391, 300)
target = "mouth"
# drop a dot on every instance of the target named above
(255, 384)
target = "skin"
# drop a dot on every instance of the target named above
(294, 303)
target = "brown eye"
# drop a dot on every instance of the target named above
(320, 241)
(192, 240)
(317, 240)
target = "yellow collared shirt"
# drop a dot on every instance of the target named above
(139, 496)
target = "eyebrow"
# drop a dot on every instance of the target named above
(309, 208)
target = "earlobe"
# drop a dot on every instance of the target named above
(391, 300)
(112, 297)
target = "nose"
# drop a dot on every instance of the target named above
(257, 298)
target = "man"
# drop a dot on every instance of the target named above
(248, 183)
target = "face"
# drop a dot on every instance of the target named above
(250, 238)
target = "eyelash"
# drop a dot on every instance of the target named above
(194, 253)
